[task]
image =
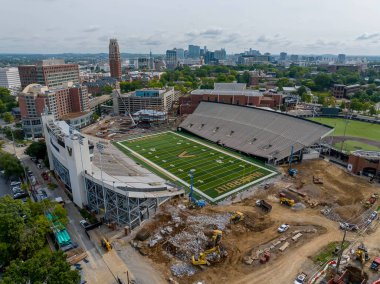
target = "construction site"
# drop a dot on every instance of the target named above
(242, 241)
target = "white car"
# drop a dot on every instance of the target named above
(84, 223)
(283, 228)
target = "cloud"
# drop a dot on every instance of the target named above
(209, 33)
(367, 36)
(272, 40)
(91, 29)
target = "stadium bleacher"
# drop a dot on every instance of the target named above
(254, 131)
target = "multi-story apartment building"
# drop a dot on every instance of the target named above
(50, 73)
(115, 60)
(153, 99)
(9, 78)
(60, 101)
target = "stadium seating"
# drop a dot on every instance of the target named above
(255, 131)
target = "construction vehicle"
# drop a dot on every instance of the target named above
(106, 244)
(370, 201)
(317, 180)
(237, 217)
(362, 254)
(201, 259)
(287, 201)
(265, 206)
(216, 238)
(375, 264)
(301, 278)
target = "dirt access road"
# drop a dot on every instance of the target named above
(288, 267)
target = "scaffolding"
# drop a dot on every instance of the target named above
(120, 208)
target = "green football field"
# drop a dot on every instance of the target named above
(217, 173)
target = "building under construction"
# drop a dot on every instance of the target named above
(98, 176)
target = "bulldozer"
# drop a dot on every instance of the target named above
(237, 217)
(106, 244)
(362, 254)
(287, 201)
(201, 259)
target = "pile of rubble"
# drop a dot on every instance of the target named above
(180, 269)
(218, 221)
(331, 214)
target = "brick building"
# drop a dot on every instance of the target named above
(50, 73)
(364, 162)
(114, 59)
(343, 92)
(59, 101)
(229, 93)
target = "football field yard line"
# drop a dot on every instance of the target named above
(206, 166)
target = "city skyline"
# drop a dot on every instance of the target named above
(295, 27)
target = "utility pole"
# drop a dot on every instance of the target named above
(341, 251)
(344, 134)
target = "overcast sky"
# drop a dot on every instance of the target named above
(295, 26)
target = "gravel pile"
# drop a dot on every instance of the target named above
(188, 244)
(180, 269)
(330, 214)
(218, 220)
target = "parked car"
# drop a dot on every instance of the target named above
(42, 195)
(348, 227)
(45, 175)
(16, 189)
(84, 223)
(39, 166)
(301, 278)
(15, 183)
(20, 195)
(283, 228)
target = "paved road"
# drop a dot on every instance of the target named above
(4, 187)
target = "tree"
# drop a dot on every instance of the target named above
(372, 110)
(244, 78)
(8, 117)
(322, 81)
(37, 150)
(23, 251)
(107, 89)
(11, 165)
(45, 267)
(95, 116)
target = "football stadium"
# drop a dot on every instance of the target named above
(218, 173)
(224, 146)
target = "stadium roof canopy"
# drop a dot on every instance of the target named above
(255, 131)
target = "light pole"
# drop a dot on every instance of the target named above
(100, 148)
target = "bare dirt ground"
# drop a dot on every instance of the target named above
(341, 191)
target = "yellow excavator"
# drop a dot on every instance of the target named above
(201, 259)
(287, 201)
(362, 254)
(237, 217)
(106, 244)
(216, 238)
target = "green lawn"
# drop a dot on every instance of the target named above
(355, 128)
(350, 145)
(217, 173)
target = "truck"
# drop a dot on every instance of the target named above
(301, 278)
(265, 206)
(375, 264)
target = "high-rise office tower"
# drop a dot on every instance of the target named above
(115, 61)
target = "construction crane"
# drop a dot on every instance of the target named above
(127, 110)
(194, 202)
